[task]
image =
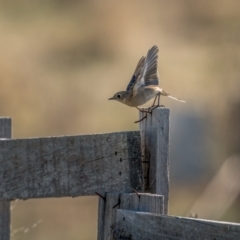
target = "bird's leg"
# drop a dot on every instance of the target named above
(155, 100)
(150, 109)
(141, 119)
(144, 116)
(158, 104)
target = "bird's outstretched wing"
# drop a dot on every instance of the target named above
(135, 74)
(149, 73)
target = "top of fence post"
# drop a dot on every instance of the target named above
(5, 132)
(154, 132)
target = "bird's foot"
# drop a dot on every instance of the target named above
(145, 111)
(150, 110)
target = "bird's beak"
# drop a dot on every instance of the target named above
(112, 98)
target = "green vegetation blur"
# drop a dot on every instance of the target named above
(61, 60)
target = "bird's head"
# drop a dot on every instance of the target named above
(119, 96)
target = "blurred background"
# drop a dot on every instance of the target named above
(61, 60)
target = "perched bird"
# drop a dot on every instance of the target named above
(144, 84)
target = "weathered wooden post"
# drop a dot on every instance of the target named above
(5, 132)
(108, 228)
(154, 133)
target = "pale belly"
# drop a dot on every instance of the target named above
(143, 97)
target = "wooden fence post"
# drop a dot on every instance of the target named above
(111, 202)
(154, 133)
(5, 132)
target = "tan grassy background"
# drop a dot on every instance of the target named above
(61, 60)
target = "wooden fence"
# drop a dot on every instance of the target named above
(128, 170)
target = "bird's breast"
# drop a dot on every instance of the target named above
(141, 97)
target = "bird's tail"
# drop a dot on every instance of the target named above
(168, 95)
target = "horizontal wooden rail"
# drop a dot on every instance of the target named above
(70, 165)
(142, 226)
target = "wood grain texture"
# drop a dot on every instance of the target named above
(155, 150)
(144, 226)
(5, 215)
(70, 166)
(144, 202)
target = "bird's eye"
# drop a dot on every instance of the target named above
(118, 96)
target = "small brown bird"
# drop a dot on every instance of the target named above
(144, 84)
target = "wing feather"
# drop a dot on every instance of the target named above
(149, 72)
(136, 74)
